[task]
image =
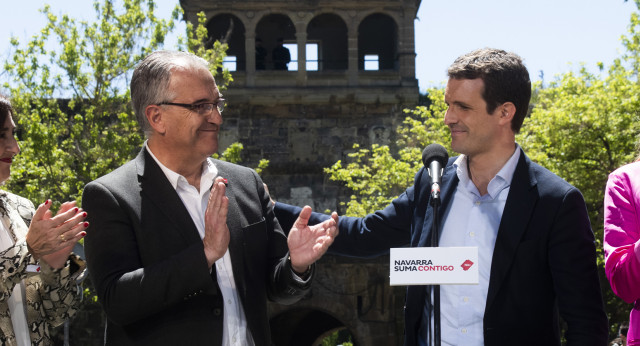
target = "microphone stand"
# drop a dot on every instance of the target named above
(434, 158)
(435, 203)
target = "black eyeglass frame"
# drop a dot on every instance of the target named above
(202, 108)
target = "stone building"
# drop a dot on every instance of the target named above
(351, 74)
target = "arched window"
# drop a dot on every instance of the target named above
(270, 30)
(377, 43)
(228, 28)
(328, 33)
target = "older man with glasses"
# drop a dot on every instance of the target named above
(185, 249)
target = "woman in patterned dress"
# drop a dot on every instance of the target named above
(38, 287)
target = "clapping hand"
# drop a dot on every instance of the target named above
(216, 233)
(51, 238)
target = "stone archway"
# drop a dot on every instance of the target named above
(305, 327)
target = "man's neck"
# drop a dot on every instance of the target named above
(482, 168)
(192, 171)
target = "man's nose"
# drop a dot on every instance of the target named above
(449, 117)
(215, 117)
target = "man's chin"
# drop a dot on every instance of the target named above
(212, 150)
(456, 146)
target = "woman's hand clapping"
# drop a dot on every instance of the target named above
(51, 239)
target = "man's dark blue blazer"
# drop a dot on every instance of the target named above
(544, 261)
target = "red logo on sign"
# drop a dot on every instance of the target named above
(466, 265)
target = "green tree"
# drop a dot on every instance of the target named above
(584, 126)
(69, 86)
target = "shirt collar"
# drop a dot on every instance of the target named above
(209, 172)
(498, 183)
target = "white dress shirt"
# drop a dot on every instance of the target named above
(472, 220)
(235, 331)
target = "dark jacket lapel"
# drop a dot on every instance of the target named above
(520, 203)
(156, 189)
(234, 223)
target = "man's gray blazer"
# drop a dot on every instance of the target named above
(147, 263)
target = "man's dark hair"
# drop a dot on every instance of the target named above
(505, 78)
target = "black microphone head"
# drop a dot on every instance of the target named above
(437, 152)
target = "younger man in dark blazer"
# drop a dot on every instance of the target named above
(537, 255)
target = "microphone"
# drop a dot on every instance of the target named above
(434, 158)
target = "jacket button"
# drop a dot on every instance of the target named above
(217, 311)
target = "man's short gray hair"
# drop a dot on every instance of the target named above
(151, 78)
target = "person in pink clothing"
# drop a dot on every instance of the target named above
(622, 240)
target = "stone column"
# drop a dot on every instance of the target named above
(352, 42)
(250, 49)
(406, 46)
(301, 40)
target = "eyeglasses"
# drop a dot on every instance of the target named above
(203, 109)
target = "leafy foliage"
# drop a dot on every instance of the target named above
(69, 142)
(584, 126)
(341, 337)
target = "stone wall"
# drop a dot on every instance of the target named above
(300, 141)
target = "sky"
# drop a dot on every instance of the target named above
(552, 36)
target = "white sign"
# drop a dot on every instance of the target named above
(434, 266)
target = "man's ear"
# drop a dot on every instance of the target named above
(154, 117)
(506, 112)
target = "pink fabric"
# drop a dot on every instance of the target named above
(622, 240)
